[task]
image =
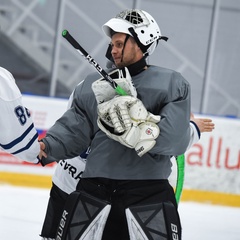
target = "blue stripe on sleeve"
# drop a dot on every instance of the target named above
(17, 140)
(28, 145)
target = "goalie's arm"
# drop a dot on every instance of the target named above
(72, 133)
(175, 112)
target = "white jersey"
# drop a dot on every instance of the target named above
(68, 172)
(18, 135)
(194, 134)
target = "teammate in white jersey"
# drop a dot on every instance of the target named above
(64, 181)
(18, 134)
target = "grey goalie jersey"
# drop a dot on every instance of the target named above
(163, 92)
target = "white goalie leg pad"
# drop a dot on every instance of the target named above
(83, 217)
(134, 229)
(157, 221)
(95, 229)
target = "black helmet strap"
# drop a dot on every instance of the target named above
(142, 47)
(124, 44)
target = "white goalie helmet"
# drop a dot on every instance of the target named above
(138, 24)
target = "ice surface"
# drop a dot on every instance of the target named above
(22, 211)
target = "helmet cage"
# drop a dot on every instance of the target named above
(143, 24)
(138, 24)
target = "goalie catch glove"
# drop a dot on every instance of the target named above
(141, 137)
(123, 111)
(104, 91)
(134, 126)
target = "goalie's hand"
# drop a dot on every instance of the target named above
(122, 112)
(128, 116)
(104, 91)
(42, 152)
(141, 137)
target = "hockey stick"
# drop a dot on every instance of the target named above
(179, 159)
(83, 52)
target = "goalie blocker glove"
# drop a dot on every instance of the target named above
(104, 91)
(126, 120)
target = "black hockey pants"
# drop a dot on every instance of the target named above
(124, 193)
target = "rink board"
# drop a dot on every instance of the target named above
(45, 181)
(212, 165)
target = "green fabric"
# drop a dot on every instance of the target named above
(180, 176)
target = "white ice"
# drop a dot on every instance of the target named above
(22, 211)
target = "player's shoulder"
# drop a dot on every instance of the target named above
(9, 89)
(166, 74)
(162, 70)
(5, 74)
(85, 86)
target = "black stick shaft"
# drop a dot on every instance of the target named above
(83, 52)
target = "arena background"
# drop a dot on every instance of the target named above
(203, 46)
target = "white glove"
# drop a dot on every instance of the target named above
(127, 115)
(122, 112)
(141, 137)
(104, 91)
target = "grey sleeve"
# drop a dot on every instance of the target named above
(66, 139)
(71, 134)
(174, 125)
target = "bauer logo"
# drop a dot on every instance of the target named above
(174, 231)
(62, 225)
